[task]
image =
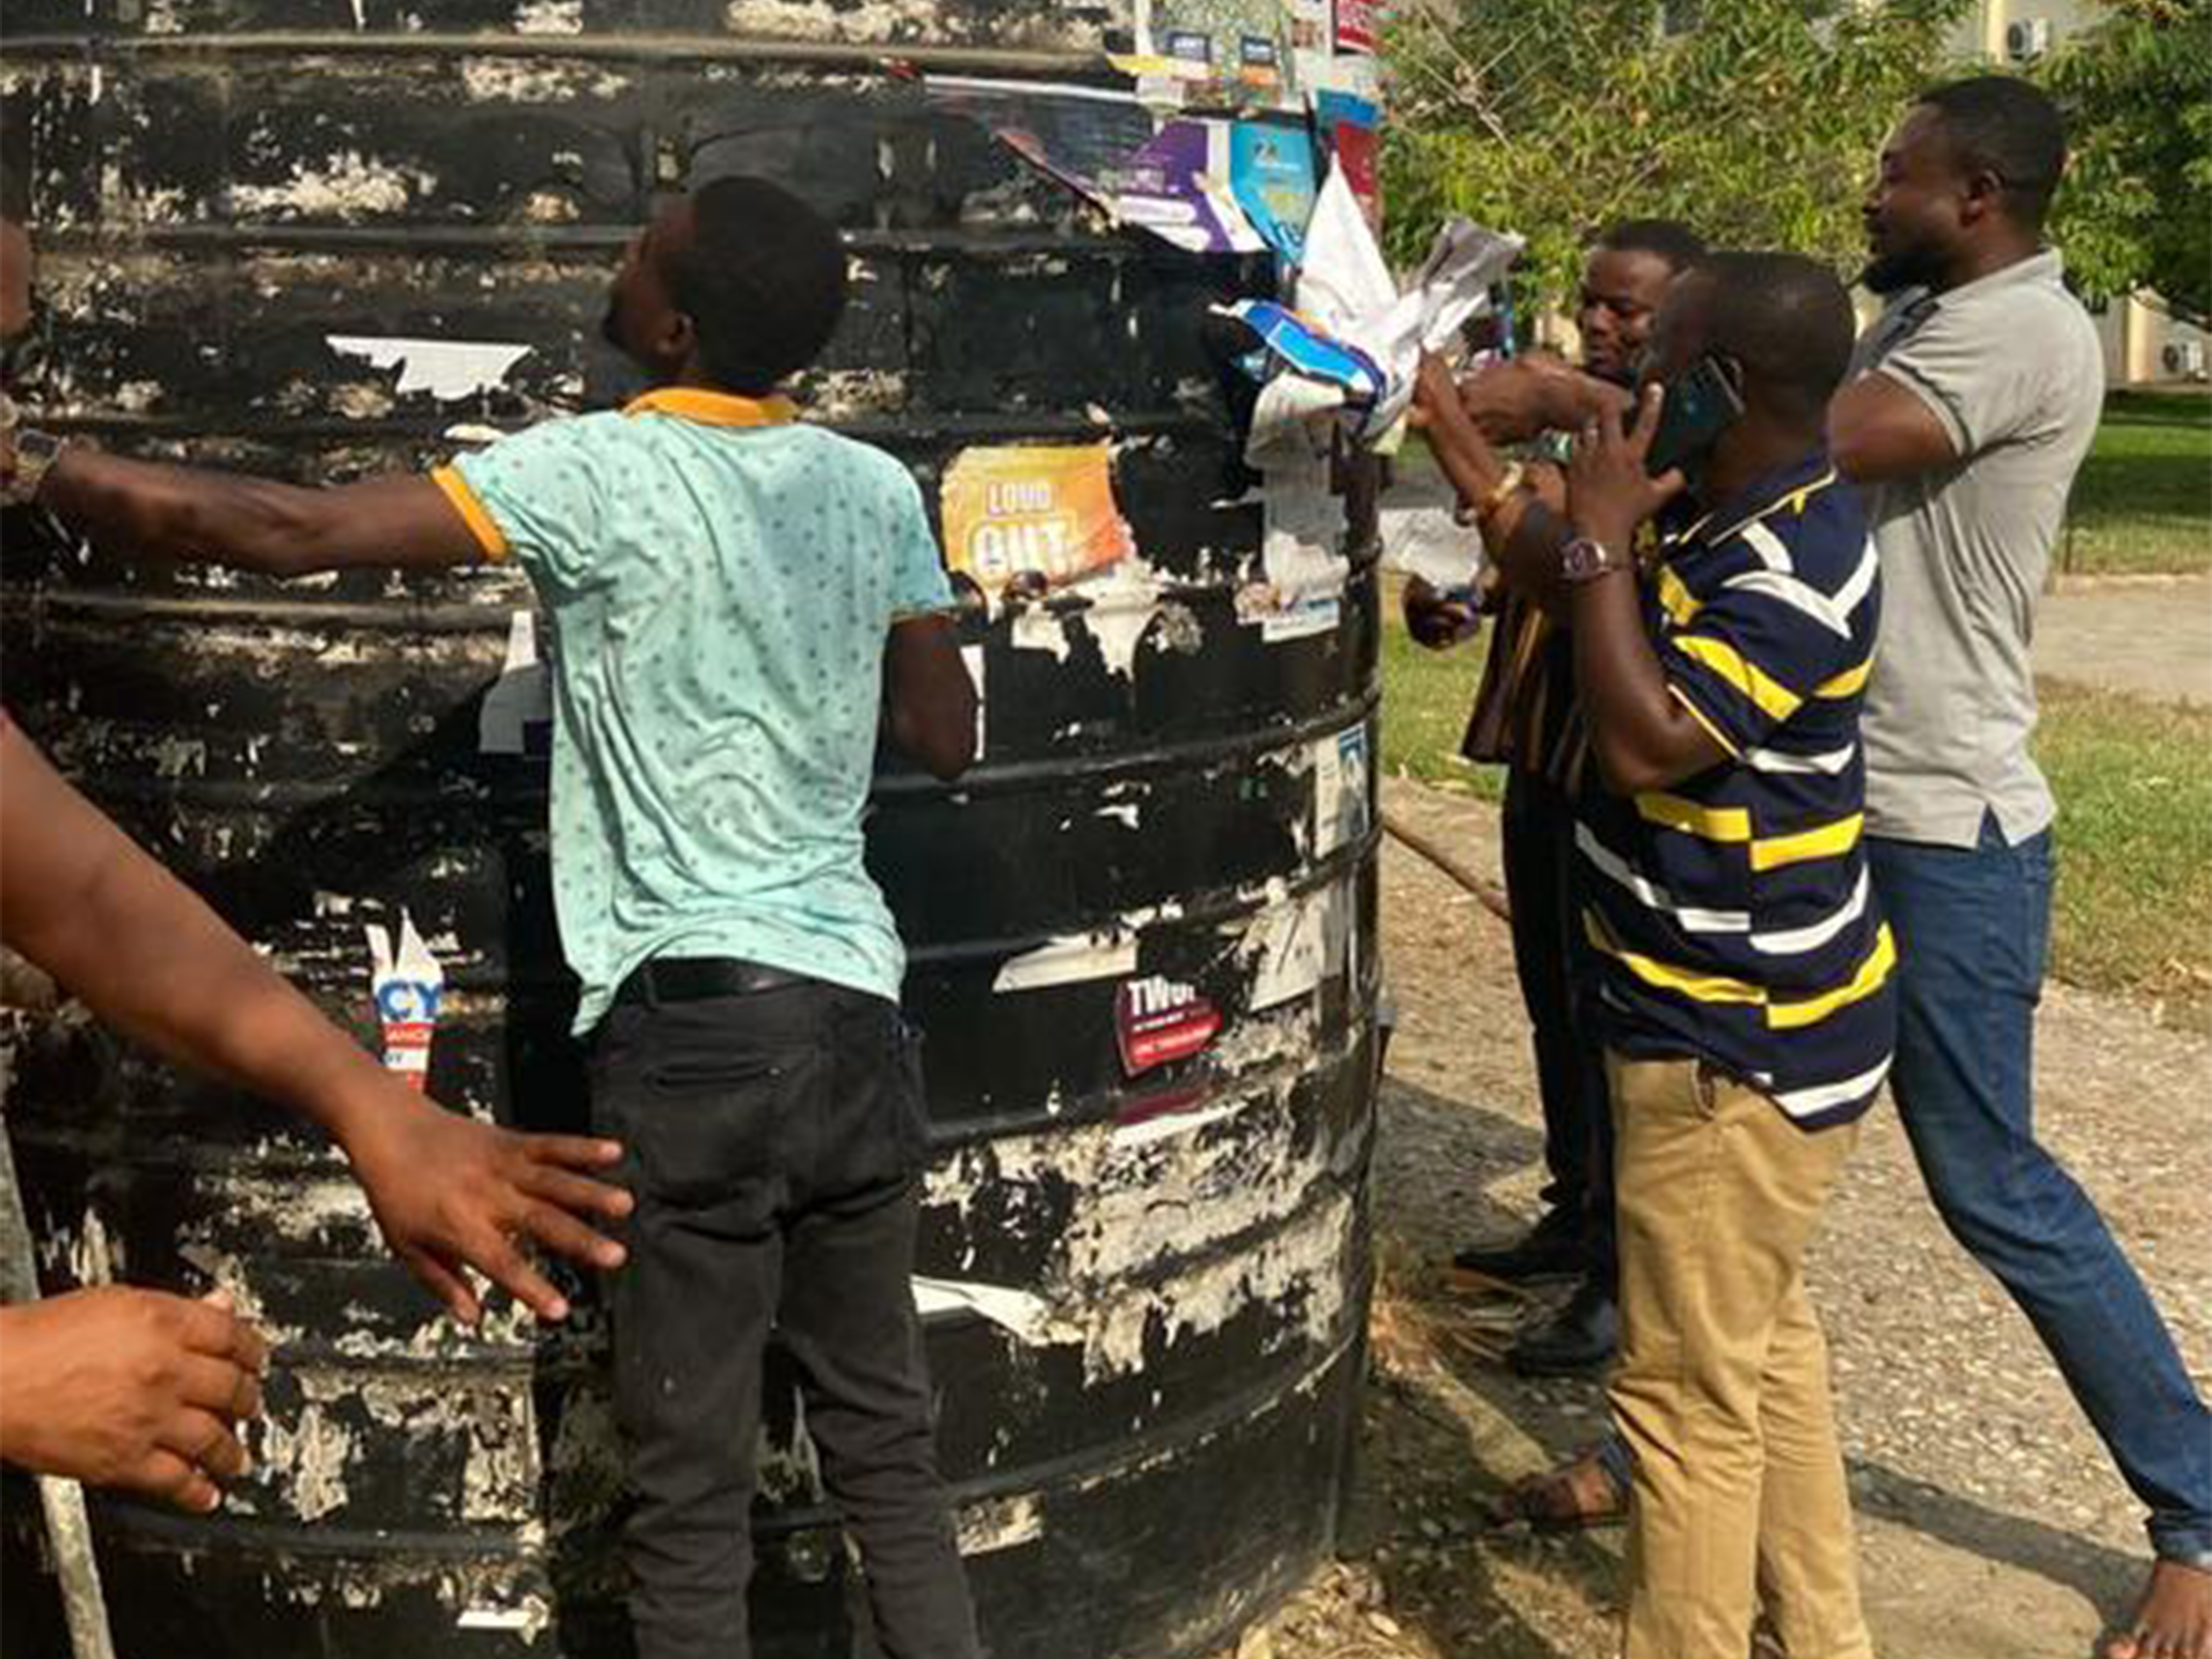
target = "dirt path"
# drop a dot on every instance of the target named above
(1992, 1526)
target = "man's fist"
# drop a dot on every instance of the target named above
(1516, 401)
(1434, 620)
(132, 1389)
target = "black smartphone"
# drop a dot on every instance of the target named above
(1702, 402)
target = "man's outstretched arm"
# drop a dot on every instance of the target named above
(143, 951)
(192, 514)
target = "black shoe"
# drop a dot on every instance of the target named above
(1552, 1249)
(1579, 1338)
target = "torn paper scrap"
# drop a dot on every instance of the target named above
(1027, 1316)
(407, 985)
(449, 370)
(1068, 960)
(518, 710)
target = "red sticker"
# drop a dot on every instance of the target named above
(1158, 1020)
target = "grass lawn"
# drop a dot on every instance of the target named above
(2143, 502)
(2134, 781)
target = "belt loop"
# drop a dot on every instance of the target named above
(651, 982)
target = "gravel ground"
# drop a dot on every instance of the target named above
(1991, 1524)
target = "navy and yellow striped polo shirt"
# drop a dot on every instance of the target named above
(1732, 913)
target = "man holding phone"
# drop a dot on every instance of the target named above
(1524, 716)
(1746, 1008)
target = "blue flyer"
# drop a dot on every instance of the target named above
(1271, 173)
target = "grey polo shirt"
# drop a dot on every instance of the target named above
(2010, 365)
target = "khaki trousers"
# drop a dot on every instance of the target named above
(1723, 1386)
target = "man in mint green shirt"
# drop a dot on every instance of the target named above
(740, 604)
(714, 739)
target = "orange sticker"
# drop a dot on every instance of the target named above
(1045, 511)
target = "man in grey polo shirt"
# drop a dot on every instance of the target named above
(1980, 393)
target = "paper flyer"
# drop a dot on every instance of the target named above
(1271, 170)
(407, 985)
(1041, 510)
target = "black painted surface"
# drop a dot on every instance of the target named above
(1159, 1461)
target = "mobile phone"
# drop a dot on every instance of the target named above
(1702, 402)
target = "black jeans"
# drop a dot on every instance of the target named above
(1557, 975)
(774, 1142)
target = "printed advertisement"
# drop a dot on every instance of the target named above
(1044, 511)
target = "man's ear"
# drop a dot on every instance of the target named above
(679, 338)
(1983, 194)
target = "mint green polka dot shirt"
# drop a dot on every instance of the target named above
(720, 583)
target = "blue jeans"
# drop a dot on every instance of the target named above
(1972, 930)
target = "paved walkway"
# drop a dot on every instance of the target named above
(2149, 636)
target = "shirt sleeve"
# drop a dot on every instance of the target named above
(538, 497)
(1975, 368)
(920, 587)
(1751, 656)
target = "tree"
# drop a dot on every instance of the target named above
(2136, 210)
(1757, 122)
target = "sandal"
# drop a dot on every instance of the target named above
(1579, 1494)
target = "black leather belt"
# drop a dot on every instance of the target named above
(695, 979)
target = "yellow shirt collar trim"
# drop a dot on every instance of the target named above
(689, 402)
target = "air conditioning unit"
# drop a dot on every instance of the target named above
(2027, 39)
(2185, 359)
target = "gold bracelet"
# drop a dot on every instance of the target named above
(1496, 496)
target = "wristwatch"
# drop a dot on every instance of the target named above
(1583, 559)
(34, 453)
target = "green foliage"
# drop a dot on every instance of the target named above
(1759, 125)
(2136, 210)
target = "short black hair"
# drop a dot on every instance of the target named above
(2005, 125)
(1667, 239)
(1788, 321)
(763, 282)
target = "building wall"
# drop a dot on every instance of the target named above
(2137, 333)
